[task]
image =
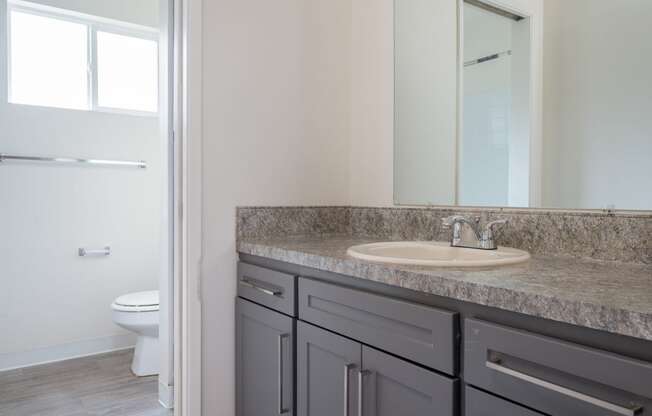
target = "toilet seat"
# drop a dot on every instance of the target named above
(137, 302)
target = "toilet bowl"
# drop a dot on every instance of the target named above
(138, 312)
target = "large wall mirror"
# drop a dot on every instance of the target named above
(523, 103)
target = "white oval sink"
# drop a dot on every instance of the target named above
(436, 253)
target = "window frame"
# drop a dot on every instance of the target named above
(93, 25)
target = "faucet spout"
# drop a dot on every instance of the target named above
(455, 221)
(467, 233)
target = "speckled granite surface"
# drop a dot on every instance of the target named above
(256, 222)
(608, 296)
(625, 238)
(589, 269)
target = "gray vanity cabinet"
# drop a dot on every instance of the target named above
(264, 361)
(359, 352)
(338, 376)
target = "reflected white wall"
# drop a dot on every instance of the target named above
(425, 101)
(485, 139)
(597, 102)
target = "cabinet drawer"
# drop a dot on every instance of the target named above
(267, 287)
(554, 376)
(419, 333)
(478, 403)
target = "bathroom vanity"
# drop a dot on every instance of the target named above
(355, 311)
(322, 333)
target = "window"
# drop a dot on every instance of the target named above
(125, 69)
(49, 61)
(64, 59)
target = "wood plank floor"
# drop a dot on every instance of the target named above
(101, 385)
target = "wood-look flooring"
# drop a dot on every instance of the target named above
(101, 385)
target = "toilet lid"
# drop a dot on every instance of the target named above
(138, 302)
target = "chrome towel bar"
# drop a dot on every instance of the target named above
(69, 160)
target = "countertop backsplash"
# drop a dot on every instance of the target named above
(607, 237)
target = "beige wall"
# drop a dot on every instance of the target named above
(276, 105)
(372, 103)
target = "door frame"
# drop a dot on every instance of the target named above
(187, 142)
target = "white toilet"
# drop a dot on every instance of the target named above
(138, 312)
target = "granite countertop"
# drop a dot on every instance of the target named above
(608, 296)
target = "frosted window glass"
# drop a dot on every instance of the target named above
(127, 72)
(49, 62)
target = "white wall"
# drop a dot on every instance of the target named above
(142, 12)
(53, 302)
(598, 96)
(276, 104)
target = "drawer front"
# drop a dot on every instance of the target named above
(419, 333)
(478, 403)
(267, 287)
(554, 376)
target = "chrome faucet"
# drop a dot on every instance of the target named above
(468, 233)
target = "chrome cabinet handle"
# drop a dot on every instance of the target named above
(281, 338)
(347, 370)
(261, 289)
(361, 376)
(625, 411)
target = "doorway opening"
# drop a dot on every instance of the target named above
(87, 178)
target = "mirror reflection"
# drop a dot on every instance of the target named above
(523, 103)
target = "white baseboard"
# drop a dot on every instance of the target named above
(15, 360)
(166, 395)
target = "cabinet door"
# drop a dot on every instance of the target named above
(327, 365)
(391, 386)
(264, 361)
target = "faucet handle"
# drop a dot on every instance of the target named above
(487, 241)
(491, 226)
(448, 222)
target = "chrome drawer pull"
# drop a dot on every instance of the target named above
(281, 338)
(347, 370)
(261, 289)
(361, 376)
(625, 411)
